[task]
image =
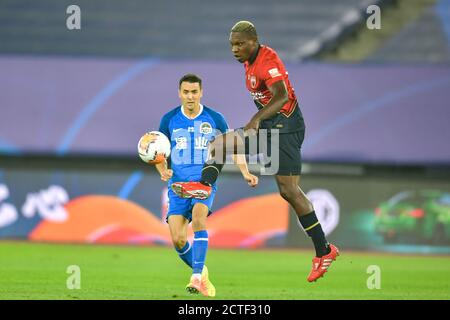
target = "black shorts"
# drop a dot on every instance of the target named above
(280, 153)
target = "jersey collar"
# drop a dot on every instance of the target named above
(199, 112)
(254, 55)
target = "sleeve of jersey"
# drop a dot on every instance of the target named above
(221, 124)
(271, 73)
(164, 126)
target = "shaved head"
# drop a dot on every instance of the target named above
(245, 27)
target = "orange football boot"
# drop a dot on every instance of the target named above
(203, 285)
(321, 265)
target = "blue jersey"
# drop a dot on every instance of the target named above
(189, 140)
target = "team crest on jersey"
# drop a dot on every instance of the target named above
(205, 128)
(253, 82)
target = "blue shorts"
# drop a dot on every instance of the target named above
(183, 207)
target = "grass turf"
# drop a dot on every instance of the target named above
(38, 271)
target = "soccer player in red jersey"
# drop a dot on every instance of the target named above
(280, 115)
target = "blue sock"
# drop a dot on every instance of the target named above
(199, 248)
(185, 253)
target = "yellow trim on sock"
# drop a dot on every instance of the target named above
(315, 224)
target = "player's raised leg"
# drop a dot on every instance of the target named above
(224, 144)
(325, 253)
(199, 281)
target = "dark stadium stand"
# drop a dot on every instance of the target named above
(187, 29)
(423, 40)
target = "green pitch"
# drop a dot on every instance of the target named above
(39, 271)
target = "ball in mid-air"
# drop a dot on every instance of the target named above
(154, 147)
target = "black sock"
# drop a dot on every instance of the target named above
(210, 172)
(313, 228)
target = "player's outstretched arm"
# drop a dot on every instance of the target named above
(165, 173)
(239, 160)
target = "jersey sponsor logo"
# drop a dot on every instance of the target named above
(205, 128)
(257, 95)
(201, 143)
(274, 72)
(181, 143)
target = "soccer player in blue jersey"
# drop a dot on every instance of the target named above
(190, 127)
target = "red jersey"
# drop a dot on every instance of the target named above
(266, 69)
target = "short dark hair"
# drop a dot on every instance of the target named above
(245, 27)
(191, 78)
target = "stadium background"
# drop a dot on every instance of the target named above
(75, 102)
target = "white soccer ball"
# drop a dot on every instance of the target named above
(154, 147)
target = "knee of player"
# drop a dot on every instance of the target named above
(198, 224)
(294, 196)
(287, 193)
(292, 193)
(179, 241)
